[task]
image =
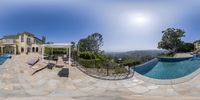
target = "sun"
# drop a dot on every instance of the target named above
(139, 19)
(140, 23)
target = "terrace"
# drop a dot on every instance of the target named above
(17, 81)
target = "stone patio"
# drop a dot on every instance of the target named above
(17, 83)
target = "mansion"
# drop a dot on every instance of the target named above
(197, 45)
(21, 43)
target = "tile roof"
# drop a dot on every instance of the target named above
(196, 41)
(10, 37)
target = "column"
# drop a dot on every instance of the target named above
(2, 50)
(67, 51)
(42, 53)
(69, 55)
(15, 50)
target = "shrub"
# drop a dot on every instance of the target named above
(120, 70)
(90, 63)
(166, 55)
(87, 55)
(47, 50)
(136, 62)
(185, 47)
(55, 50)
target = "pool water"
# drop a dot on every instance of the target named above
(168, 70)
(3, 59)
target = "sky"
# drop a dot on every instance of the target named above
(125, 24)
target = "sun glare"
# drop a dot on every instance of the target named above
(139, 20)
(140, 23)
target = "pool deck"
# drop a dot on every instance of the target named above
(182, 55)
(17, 83)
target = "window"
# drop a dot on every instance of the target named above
(36, 49)
(28, 41)
(198, 44)
(33, 49)
(22, 49)
(22, 38)
(34, 41)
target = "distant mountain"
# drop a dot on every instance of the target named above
(136, 53)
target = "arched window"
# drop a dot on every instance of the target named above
(33, 49)
(36, 49)
(22, 49)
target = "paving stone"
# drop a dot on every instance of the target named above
(14, 82)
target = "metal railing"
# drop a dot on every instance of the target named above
(106, 72)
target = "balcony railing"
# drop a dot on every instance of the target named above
(8, 41)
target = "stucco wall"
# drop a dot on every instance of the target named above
(25, 45)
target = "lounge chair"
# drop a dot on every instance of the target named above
(46, 57)
(50, 65)
(73, 64)
(38, 67)
(65, 58)
(60, 62)
(32, 61)
(64, 72)
(55, 57)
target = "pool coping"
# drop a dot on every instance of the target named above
(4, 63)
(168, 81)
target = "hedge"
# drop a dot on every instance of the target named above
(87, 55)
(92, 63)
(55, 50)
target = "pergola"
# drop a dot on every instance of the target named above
(58, 45)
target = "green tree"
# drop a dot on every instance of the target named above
(83, 45)
(96, 42)
(74, 51)
(171, 39)
(43, 39)
(73, 45)
(92, 43)
(186, 47)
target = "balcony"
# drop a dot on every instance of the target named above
(8, 41)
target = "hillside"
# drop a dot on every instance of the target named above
(136, 53)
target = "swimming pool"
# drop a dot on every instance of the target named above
(158, 69)
(3, 58)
